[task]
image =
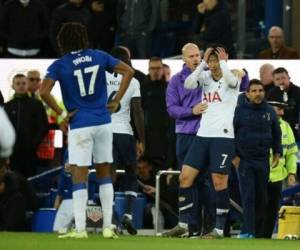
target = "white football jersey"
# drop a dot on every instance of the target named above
(121, 119)
(217, 120)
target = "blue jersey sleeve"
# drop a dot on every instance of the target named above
(52, 71)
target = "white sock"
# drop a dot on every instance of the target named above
(128, 215)
(79, 206)
(106, 194)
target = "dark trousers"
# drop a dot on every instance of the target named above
(273, 204)
(253, 177)
(138, 44)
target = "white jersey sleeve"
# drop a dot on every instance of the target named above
(197, 78)
(7, 135)
(229, 78)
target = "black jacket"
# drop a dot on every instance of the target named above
(29, 119)
(136, 16)
(23, 27)
(218, 28)
(256, 130)
(67, 12)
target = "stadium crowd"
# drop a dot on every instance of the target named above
(228, 135)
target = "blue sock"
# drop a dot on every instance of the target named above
(186, 204)
(222, 203)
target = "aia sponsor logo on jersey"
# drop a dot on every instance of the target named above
(212, 97)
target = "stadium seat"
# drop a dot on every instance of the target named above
(43, 219)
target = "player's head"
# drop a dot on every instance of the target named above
(19, 84)
(213, 58)
(191, 55)
(255, 91)
(121, 53)
(72, 37)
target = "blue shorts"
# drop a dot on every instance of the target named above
(124, 152)
(214, 154)
(183, 144)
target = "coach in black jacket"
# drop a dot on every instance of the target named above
(256, 132)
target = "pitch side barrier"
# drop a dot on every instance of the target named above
(10, 67)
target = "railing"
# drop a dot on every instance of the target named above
(157, 195)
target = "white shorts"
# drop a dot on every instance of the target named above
(90, 145)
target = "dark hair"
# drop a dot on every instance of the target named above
(155, 59)
(215, 46)
(279, 71)
(18, 76)
(72, 37)
(254, 82)
(120, 53)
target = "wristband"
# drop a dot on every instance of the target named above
(61, 117)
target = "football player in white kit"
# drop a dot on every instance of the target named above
(213, 147)
(124, 143)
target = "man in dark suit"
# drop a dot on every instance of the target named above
(277, 49)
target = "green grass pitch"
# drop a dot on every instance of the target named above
(32, 241)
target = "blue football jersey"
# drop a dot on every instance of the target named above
(82, 80)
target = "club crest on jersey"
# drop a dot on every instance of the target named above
(212, 97)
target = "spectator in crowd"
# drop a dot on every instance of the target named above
(256, 132)
(1, 99)
(285, 170)
(278, 50)
(157, 121)
(12, 205)
(124, 143)
(136, 23)
(29, 119)
(33, 83)
(89, 111)
(23, 28)
(103, 23)
(46, 149)
(70, 11)
(266, 77)
(288, 93)
(214, 138)
(16, 197)
(167, 72)
(213, 25)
